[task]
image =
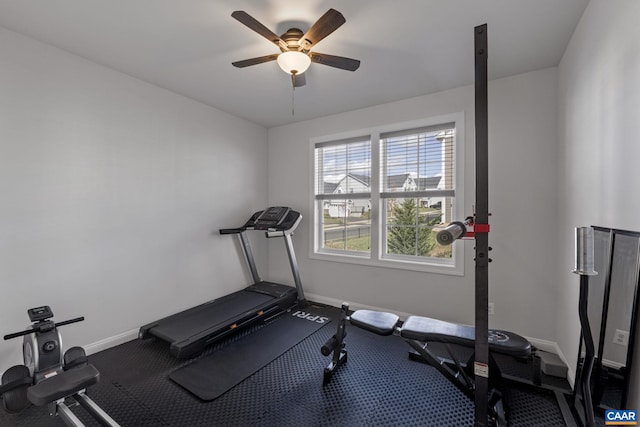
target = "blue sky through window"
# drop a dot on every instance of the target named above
(420, 155)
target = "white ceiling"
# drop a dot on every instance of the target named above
(407, 48)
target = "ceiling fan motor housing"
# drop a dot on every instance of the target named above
(291, 38)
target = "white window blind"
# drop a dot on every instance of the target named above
(419, 161)
(343, 167)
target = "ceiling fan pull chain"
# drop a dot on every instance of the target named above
(293, 93)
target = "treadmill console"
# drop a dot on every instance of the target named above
(276, 219)
(271, 217)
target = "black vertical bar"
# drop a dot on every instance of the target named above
(631, 345)
(481, 366)
(585, 376)
(598, 390)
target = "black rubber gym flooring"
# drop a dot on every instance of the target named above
(378, 386)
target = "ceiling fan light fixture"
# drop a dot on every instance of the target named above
(294, 62)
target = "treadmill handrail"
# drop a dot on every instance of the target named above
(274, 232)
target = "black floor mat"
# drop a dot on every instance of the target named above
(210, 377)
(378, 386)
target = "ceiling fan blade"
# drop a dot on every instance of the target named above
(256, 26)
(335, 61)
(327, 24)
(299, 80)
(255, 61)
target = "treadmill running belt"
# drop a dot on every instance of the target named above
(212, 376)
(213, 315)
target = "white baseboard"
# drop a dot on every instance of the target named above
(111, 342)
(611, 364)
(552, 347)
(571, 372)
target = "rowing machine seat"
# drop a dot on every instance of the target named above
(63, 384)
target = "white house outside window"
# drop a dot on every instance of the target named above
(380, 198)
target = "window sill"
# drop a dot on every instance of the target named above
(399, 264)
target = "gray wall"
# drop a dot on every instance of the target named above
(111, 194)
(522, 131)
(599, 145)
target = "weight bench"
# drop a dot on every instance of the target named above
(418, 332)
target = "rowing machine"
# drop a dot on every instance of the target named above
(48, 377)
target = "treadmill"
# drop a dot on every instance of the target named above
(190, 331)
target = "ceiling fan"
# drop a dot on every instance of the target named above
(295, 46)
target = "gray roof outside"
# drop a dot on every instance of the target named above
(428, 183)
(396, 181)
(393, 181)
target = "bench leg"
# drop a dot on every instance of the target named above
(336, 345)
(496, 409)
(453, 373)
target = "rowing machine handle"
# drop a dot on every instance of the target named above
(68, 322)
(47, 325)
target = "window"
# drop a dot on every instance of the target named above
(418, 186)
(380, 197)
(343, 194)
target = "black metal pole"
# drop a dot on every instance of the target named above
(481, 366)
(585, 377)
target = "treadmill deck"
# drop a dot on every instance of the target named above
(191, 330)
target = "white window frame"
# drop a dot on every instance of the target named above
(376, 256)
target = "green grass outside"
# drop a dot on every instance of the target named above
(363, 244)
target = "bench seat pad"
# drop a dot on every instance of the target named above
(377, 322)
(426, 329)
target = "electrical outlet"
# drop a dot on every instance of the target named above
(621, 337)
(491, 308)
